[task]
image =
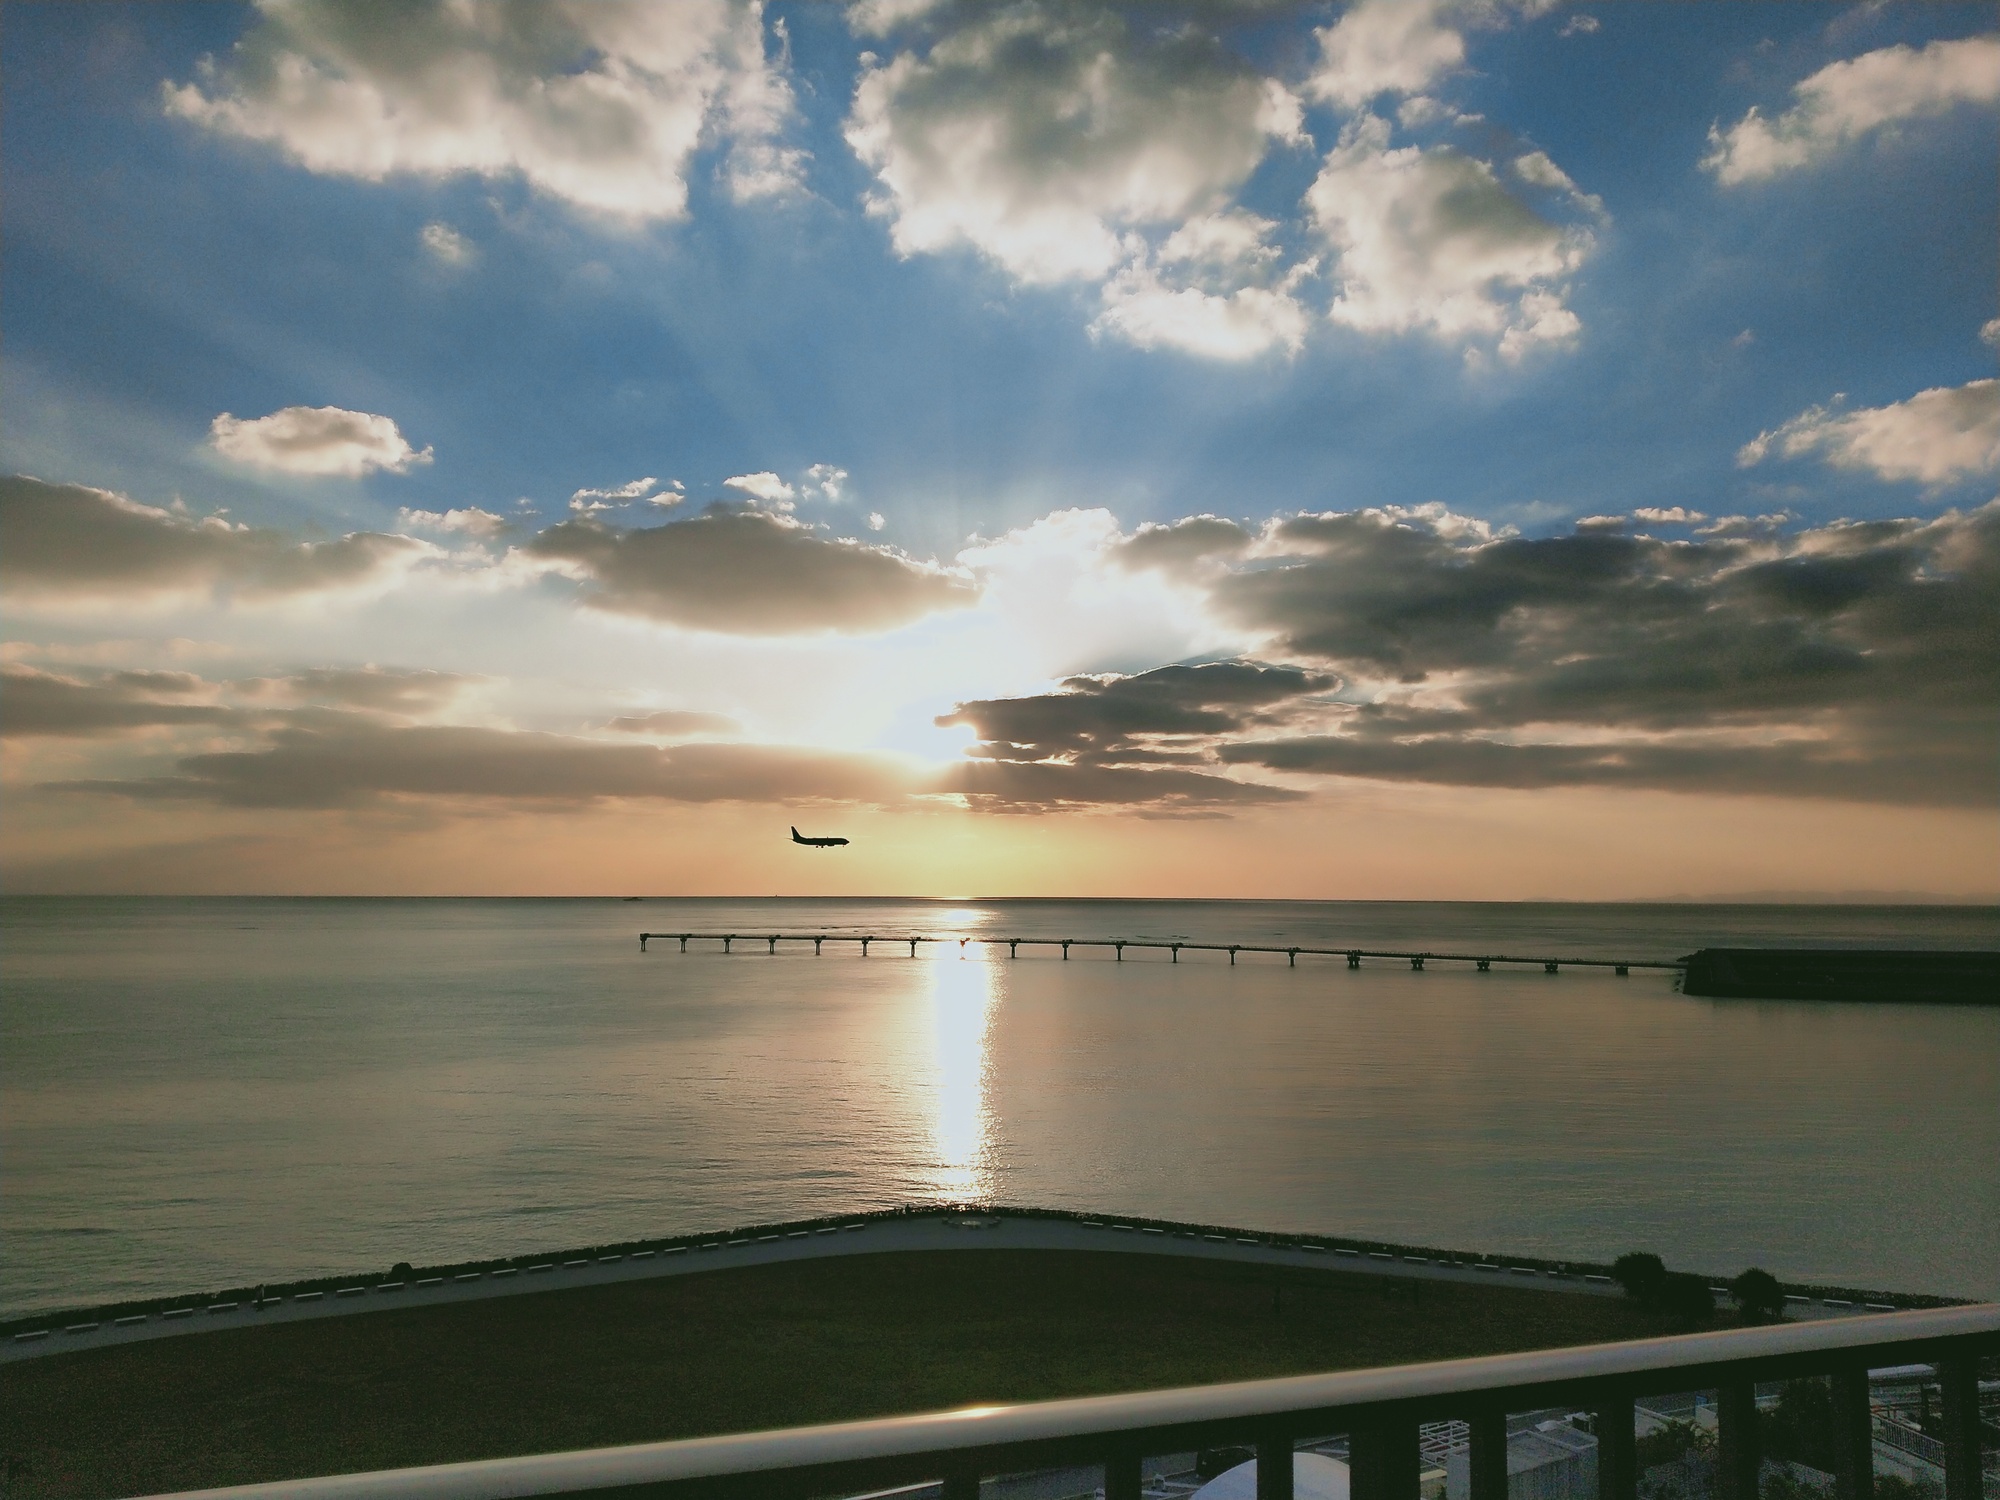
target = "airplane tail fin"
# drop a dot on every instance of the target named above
(795, 835)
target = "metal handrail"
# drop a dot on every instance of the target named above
(953, 1445)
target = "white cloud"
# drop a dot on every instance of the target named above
(1671, 516)
(1580, 24)
(447, 245)
(1383, 47)
(824, 482)
(315, 440)
(1536, 168)
(601, 103)
(1846, 100)
(765, 487)
(468, 521)
(1935, 437)
(589, 502)
(876, 520)
(1428, 239)
(1039, 136)
(1989, 332)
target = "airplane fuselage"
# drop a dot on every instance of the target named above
(799, 838)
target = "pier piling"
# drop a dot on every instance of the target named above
(816, 942)
(773, 942)
(1232, 955)
(1121, 951)
(1416, 961)
(864, 946)
(913, 947)
(727, 941)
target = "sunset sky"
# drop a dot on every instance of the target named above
(1463, 450)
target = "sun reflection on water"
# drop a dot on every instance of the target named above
(964, 994)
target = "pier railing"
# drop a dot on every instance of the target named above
(1378, 1410)
(1175, 947)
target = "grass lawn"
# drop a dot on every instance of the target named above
(728, 1351)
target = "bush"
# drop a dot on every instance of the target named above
(1758, 1296)
(1668, 1443)
(1643, 1276)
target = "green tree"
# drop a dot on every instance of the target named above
(1668, 1442)
(1758, 1296)
(1643, 1276)
(1802, 1427)
(1686, 1299)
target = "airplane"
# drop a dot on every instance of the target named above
(799, 838)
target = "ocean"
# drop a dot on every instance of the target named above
(220, 1092)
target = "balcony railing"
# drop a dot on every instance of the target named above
(1379, 1410)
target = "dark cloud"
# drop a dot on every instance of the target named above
(1139, 742)
(354, 763)
(1181, 546)
(1853, 660)
(1056, 786)
(1122, 719)
(749, 572)
(36, 703)
(71, 540)
(673, 723)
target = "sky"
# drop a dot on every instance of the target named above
(1415, 449)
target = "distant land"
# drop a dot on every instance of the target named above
(1825, 898)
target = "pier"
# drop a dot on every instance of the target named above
(1174, 948)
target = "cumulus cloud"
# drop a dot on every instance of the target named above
(317, 440)
(1215, 288)
(469, 520)
(1428, 239)
(1580, 24)
(601, 103)
(1936, 437)
(765, 487)
(66, 541)
(748, 572)
(1672, 515)
(1851, 660)
(1184, 546)
(1039, 135)
(1382, 47)
(825, 482)
(358, 762)
(1847, 100)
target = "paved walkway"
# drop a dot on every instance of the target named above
(946, 1231)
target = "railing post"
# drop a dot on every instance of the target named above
(1736, 1457)
(1617, 1456)
(1121, 1477)
(1853, 1435)
(1274, 1469)
(1382, 1460)
(1958, 1374)
(1487, 1459)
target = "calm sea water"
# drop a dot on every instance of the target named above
(218, 1092)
